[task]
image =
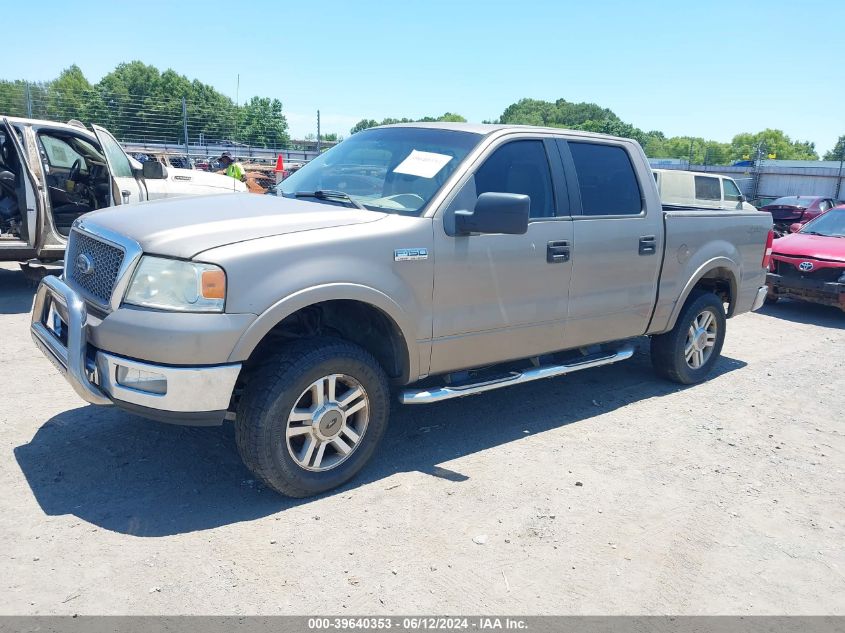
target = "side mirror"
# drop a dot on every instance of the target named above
(154, 170)
(742, 198)
(495, 213)
(795, 227)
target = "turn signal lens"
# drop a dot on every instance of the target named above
(213, 284)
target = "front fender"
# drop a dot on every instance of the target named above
(283, 308)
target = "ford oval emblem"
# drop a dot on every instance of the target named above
(805, 266)
(84, 264)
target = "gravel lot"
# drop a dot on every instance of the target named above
(606, 492)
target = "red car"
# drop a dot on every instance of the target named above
(810, 264)
(791, 209)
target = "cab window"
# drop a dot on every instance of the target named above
(731, 192)
(519, 167)
(606, 179)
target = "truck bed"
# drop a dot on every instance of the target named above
(697, 238)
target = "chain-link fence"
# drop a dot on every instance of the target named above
(209, 119)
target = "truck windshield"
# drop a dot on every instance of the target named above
(385, 169)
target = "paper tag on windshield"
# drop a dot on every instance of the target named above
(422, 164)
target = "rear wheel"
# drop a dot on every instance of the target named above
(312, 416)
(686, 354)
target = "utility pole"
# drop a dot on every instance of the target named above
(237, 105)
(185, 128)
(689, 162)
(318, 132)
(839, 175)
(28, 101)
(757, 169)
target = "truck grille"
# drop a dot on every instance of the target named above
(104, 259)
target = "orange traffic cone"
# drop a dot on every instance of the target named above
(280, 169)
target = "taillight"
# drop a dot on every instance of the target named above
(767, 255)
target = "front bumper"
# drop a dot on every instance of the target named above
(196, 395)
(825, 292)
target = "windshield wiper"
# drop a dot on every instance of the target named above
(327, 194)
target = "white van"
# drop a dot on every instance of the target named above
(699, 189)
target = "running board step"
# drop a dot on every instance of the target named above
(437, 394)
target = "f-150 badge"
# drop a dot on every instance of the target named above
(409, 254)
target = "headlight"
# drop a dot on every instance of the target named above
(172, 284)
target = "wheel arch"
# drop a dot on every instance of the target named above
(356, 313)
(718, 275)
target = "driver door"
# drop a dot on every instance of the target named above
(29, 191)
(500, 297)
(125, 186)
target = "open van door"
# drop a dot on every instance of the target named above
(28, 190)
(125, 185)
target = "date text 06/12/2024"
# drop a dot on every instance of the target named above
(417, 623)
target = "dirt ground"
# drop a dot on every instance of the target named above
(607, 492)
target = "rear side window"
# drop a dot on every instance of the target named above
(519, 167)
(707, 188)
(731, 191)
(607, 180)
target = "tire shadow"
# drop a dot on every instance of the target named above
(15, 292)
(132, 476)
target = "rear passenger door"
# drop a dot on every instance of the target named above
(617, 244)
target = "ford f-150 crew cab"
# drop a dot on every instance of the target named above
(434, 260)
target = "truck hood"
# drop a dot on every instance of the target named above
(810, 246)
(199, 178)
(183, 227)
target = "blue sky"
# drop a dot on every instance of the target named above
(709, 69)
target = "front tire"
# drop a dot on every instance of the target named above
(312, 415)
(686, 354)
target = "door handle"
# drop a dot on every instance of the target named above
(557, 252)
(648, 245)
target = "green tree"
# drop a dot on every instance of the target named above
(262, 123)
(773, 143)
(560, 113)
(71, 96)
(363, 124)
(838, 151)
(13, 97)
